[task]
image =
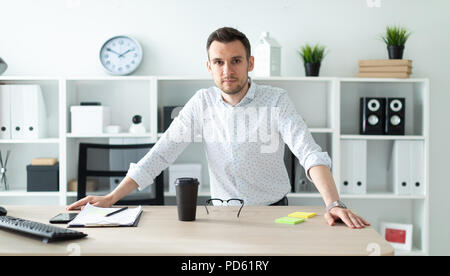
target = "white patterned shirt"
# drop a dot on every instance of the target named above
(244, 144)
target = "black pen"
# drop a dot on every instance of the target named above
(117, 211)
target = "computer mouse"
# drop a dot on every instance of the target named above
(2, 211)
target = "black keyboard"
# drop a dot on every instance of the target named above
(48, 233)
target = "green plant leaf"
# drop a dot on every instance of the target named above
(395, 36)
(312, 54)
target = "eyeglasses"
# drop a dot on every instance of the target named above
(226, 201)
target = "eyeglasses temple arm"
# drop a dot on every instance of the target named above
(240, 209)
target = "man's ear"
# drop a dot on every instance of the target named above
(251, 63)
(208, 66)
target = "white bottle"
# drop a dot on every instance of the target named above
(137, 127)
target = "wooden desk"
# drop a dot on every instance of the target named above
(219, 233)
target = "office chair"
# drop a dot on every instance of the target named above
(108, 161)
(289, 162)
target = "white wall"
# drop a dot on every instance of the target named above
(45, 37)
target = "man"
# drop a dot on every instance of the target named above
(243, 163)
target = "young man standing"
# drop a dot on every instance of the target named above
(244, 128)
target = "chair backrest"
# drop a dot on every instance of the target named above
(106, 165)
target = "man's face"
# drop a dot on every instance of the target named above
(229, 66)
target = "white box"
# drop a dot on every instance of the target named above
(89, 119)
(184, 170)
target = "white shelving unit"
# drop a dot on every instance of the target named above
(412, 209)
(22, 151)
(329, 106)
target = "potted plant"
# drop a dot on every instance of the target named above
(395, 39)
(312, 57)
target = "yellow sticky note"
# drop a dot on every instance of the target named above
(301, 215)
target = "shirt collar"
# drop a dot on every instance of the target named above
(249, 96)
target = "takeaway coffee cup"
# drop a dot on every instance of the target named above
(187, 191)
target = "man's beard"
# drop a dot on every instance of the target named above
(234, 91)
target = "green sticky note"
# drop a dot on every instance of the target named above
(288, 220)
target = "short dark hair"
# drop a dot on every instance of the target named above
(227, 34)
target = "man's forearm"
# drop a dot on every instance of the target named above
(125, 187)
(323, 179)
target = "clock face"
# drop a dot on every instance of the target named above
(121, 55)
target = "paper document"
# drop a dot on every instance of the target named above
(92, 216)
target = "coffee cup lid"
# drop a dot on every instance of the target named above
(186, 181)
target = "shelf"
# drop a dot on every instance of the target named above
(382, 137)
(200, 193)
(410, 80)
(108, 78)
(184, 78)
(361, 196)
(312, 130)
(30, 141)
(321, 130)
(168, 194)
(304, 195)
(27, 78)
(306, 79)
(110, 135)
(71, 194)
(208, 78)
(308, 195)
(94, 193)
(16, 193)
(381, 196)
(100, 193)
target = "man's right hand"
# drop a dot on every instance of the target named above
(98, 201)
(125, 187)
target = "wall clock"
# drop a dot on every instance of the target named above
(121, 55)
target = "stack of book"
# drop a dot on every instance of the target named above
(385, 68)
(44, 161)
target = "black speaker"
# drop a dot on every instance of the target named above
(395, 116)
(372, 115)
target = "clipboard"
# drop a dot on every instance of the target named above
(92, 216)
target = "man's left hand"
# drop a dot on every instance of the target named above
(351, 219)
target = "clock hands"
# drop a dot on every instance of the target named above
(126, 52)
(110, 50)
(120, 55)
